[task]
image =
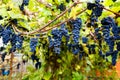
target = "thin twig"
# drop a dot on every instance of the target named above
(92, 35)
(53, 19)
(38, 30)
(63, 22)
(111, 11)
(46, 4)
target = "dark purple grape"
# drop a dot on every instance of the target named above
(56, 40)
(6, 35)
(114, 0)
(25, 2)
(67, 1)
(1, 17)
(38, 65)
(84, 39)
(114, 57)
(33, 44)
(90, 6)
(62, 7)
(76, 26)
(96, 12)
(21, 7)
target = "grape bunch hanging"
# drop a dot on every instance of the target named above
(8, 35)
(71, 33)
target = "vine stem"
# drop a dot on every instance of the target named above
(43, 28)
(63, 21)
(38, 30)
(92, 35)
(46, 4)
(111, 11)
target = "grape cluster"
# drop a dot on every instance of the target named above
(65, 32)
(84, 39)
(34, 57)
(24, 3)
(19, 41)
(57, 36)
(13, 43)
(109, 25)
(55, 40)
(6, 35)
(16, 42)
(76, 26)
(113, 54)
(106, 25)
(33, 44)
(62, 7)
(96, 11)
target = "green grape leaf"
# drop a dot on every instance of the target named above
(5, 1)
(118, 21)
(108, 2)
(24, 25)
(47, 75)
(59, 60)
(3, 12)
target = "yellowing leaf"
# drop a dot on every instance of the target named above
(3, 12)
(108, 2)
(32, 24)
(85, 49)
(73, 12)
(37, 51)
(118, 21)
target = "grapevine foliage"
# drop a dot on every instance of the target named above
(67, 39)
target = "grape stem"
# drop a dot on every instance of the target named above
(92, 34)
